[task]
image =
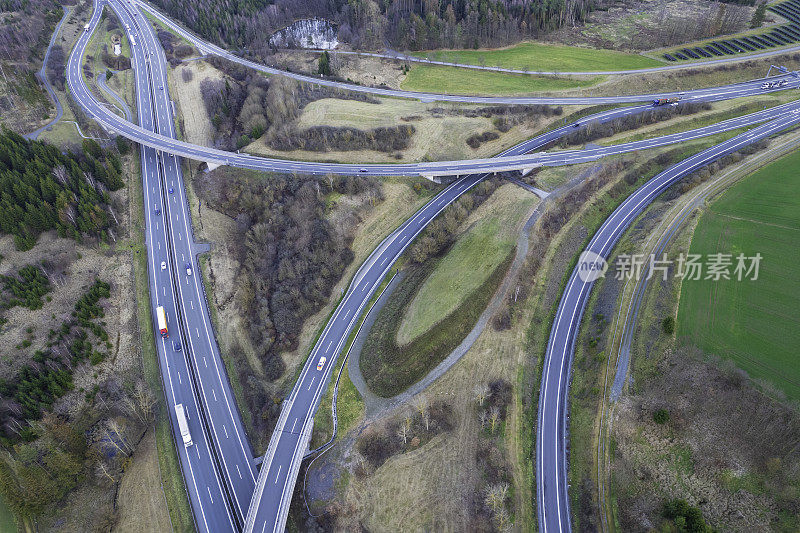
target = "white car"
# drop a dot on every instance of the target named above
(163, 265)
(321, 362)
(188, 269)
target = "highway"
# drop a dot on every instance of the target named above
(218, 469)
(166, 143)
(552, 482)
(206, 47)
(220, 460)
(289, 442)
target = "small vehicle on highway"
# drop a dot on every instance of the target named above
(576, 124)
(321, 362)
(362, 169)
(177, 346)
(157, 209)
(160, 87)
(163, 265)
(765, 85)
(188, 269)
(171, 190)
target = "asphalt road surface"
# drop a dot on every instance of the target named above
(218, 468)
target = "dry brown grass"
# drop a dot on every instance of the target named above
(77, 267)
(437, 137)
(197, 126)
(140, 500)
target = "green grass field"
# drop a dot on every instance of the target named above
(467, 265)
(545, 58)
(754, 323)
(456, 80)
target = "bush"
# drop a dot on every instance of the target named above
(685, 517)
(661, 416)
(475, 140)
(668, 325)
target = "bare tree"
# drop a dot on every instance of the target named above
(104, 472)
(404, 431)
(483, 417)
(482, 392)
(494, 417)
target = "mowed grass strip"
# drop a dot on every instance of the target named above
(754, 323)
(545, 58)
(457, 80)
(484, 245)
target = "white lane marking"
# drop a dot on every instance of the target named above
(238, 471)
(329, 345)
(191, 303)
(312, 382)
(209, 494)
(348, 314)
(384, 260)
(196, 332)
(215, 394)
(225, 430)
(278, 474)
(204, 361)
(294, 424)
(179, 378)
(163, 291)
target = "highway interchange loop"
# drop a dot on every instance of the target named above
(221, 461)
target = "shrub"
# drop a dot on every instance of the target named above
(661, 416)
(668, 325)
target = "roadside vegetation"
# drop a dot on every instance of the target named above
(538, 57)
(75, 404)
(660, 459)
(456, 80)
(289, 257)
(391, 363)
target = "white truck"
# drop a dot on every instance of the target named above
(86, 27)
(183, 425)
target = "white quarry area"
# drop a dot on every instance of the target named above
(315, 33)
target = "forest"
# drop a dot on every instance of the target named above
(367, 24)
(42, 188)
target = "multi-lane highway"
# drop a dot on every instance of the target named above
(162, 142)
(552, 428)
(218, 468)
(210, 48)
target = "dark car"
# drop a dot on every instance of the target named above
(177, 346)
(171, 190)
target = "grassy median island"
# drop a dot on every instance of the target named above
(457, 80)
(472, 259)
(433, 313)
(545, 58)
(753, 323)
